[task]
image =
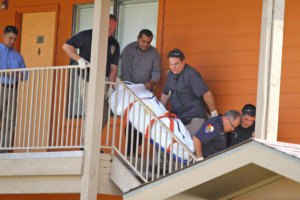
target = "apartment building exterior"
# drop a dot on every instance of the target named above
(246, 52)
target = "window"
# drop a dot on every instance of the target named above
(133, 16)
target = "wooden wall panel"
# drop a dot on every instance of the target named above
(289, 111)
(221, 40)
(225, 29)
(172, 5)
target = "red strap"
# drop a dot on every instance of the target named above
(128, 108)
(167, 115)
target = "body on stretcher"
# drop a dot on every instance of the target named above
(146, 124)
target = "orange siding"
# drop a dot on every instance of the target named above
(221, 40)
(289, 111)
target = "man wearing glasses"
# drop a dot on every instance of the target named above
(211, 137)
(188, 93)
(246, 129)
(9, 59)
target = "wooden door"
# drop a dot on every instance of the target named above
(37, 48)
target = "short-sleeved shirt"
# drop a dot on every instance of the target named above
(139, 66)
(212, 136)
(187, 91)
(83, 42)
(239, 135)
(10, 59)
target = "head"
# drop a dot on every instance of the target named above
(112, 25)
(176, 61)
(231, 119)
(248, 115)
(144, 39)
(10, 35)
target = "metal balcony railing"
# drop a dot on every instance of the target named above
(160, 151)
(41, 109)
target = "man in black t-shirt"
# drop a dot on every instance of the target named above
(83, 42)
(246, 129)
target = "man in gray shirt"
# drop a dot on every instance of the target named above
(140, 64)
(141, 61)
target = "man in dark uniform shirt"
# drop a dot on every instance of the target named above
(83, 42)
(211, 137)
(188, 93)
(246, 129)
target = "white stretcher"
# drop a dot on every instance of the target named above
(142, 122)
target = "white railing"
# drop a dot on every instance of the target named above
(42, 109)
(148, 162)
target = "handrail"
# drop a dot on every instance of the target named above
(154, 116)
(141, 162)
(36, 110)
(47, 116)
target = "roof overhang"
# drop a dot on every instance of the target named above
(234, 171)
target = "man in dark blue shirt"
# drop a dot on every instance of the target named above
(246, 129)
(211, 137)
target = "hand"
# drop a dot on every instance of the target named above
(199, 159)
(108, 93)
(214, 113)
(82, 63)
(149, 85)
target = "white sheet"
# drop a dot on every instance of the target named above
(141, 121)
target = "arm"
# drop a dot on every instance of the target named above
(156, 69)
(70, 51)
(210, 101)
(164, 99)
(113, 73)
(198, 147)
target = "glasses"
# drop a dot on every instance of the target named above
(231, 124)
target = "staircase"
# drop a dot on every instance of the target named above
(150, 162)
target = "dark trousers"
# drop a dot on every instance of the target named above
(134, 141)
(8, 106)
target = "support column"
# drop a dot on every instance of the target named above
(269, 76)
(90, 176)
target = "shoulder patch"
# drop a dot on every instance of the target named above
(112, 49)
(209, 128)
